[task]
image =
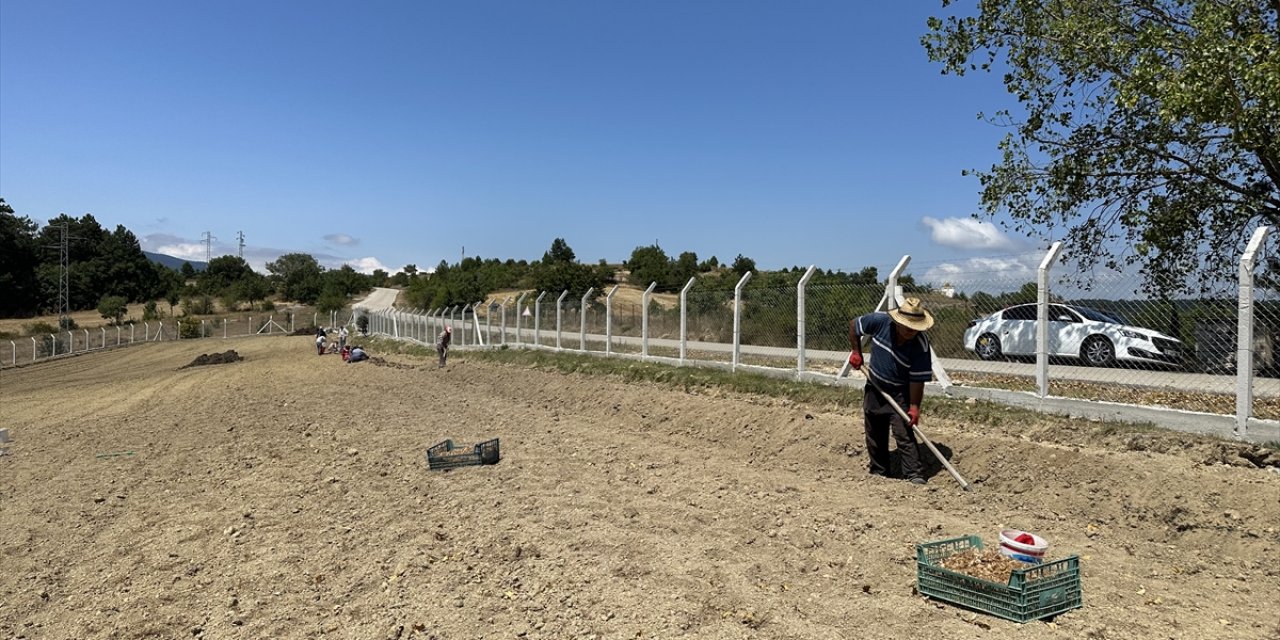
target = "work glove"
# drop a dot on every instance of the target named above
(855, 359)
(914, 414)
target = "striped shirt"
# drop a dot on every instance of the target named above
(894, 365)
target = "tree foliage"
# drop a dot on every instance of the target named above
(19, 256)
(113, 308)
(297, 276)
(1148, 123)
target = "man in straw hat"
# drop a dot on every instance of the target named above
(901, 363)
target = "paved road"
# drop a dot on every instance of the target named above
(381, 298)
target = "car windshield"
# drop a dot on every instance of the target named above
(1098, 316)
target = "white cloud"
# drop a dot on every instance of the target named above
(341, 239)
(967, 233)
(367, 265)
(992, 275)
(191, 251)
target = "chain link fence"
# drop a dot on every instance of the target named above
(1106, 340)
(27, 348)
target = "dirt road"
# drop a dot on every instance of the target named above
(286, 496)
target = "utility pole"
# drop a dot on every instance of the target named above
(64, 288)
(64, 262)
(240, 237)
(208, 246)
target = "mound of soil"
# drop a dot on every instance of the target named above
(225, 357)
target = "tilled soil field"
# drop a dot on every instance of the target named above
(287, 495)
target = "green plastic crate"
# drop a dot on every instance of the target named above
(1039, 591)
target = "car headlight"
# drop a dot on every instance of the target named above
(1132, 334)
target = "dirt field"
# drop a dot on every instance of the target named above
(287, 496)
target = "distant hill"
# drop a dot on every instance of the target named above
(172, 262)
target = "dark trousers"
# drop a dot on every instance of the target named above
(879, 419)
(444, 354)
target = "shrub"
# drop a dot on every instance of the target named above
(189, 327)
(150, 312)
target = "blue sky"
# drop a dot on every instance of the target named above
(385, 133)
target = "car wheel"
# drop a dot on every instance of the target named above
(988, 347)
(1097, 351)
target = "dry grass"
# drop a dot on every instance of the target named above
(627, 294)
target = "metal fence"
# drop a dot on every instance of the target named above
(27, 349)
(1060, 342)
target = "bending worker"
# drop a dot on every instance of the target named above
(442, 344)
(901, 363)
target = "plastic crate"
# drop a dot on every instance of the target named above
(1039, 591)
(446, 455)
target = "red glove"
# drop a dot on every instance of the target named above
(855, 359)
(914, 414)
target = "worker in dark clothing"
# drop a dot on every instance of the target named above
(901, 362)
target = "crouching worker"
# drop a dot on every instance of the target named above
(900, 363)
(442, 344)
(346, 353)
(357, 354)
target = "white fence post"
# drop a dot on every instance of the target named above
(1244, 339)
(117, 335)
(684, 318)
(54, 338)
(224, 328)
(33, 348)
(131, 328)
(582, 317)
(71, 341)
(537, 319)
(104, 337)
(644, 319)
(520, 317)
(503, 318)
(13, 351)
(559, 310)
(800, 323)
(737, 319)
(488, 322)
(146, 332)
(608, 321)
(1042, 318)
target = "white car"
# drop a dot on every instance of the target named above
(1097, 338)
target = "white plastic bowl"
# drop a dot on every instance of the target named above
(1032, 553)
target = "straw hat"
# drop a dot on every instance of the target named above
(912, 315)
